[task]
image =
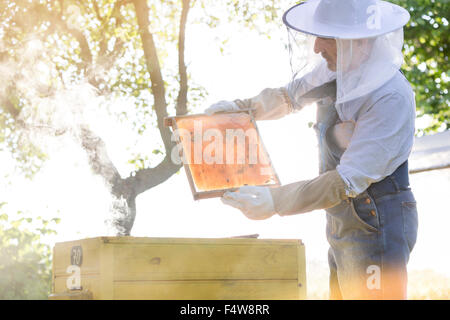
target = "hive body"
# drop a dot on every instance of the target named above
(180, 268)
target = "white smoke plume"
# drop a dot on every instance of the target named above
(52, 112)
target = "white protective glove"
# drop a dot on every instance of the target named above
(255, 202)
(222, 106)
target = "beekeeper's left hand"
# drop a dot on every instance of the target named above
(255, 202)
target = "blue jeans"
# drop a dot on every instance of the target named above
(371, 238)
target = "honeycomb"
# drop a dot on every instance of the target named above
(224, 151)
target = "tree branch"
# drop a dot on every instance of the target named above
(181, 107)
(86, 54)
(151, 177)
(154, 69)
(99, 160)
(145, 179)
(97, 10)
(7, 106)
(115, 12)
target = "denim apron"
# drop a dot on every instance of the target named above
(370, 236)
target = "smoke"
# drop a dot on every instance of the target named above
(63, 112)
(119, 210)
(51, 112)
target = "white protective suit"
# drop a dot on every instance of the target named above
(363, 100)
(374, 102)
(381, 140)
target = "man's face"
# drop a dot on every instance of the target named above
(327, 48)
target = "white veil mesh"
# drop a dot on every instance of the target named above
(364, 65)
(305, 62)
(309, 69)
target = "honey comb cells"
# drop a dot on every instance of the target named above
(223, 152)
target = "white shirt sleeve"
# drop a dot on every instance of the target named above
(275, 103)
(381, 142)
(271, 104)
(298, 87)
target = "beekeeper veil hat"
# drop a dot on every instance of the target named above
(369, 40)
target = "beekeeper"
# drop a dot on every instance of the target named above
(346, 56)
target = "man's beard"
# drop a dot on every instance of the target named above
(331, 65)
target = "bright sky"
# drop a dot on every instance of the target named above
(253, 63)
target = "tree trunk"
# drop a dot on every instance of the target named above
(125, 191)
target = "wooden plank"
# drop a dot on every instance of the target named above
(168, 121)
(155, 268)
(207, 290)
(89, 282)
(187, 170)
(301, 267)
(106, 271)
(212, 194)
(53, 270)
(219, 193)
(188, 262)
(90, 264)
(186, 241)
(75, 295)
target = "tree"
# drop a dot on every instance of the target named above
(120, 48)
(92, 36)
(426, 58)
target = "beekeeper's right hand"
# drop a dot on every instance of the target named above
(222, 106)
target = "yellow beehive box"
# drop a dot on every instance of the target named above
(179, 268)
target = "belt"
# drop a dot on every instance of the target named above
(392, 184)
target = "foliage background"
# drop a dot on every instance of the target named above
(25, 259)
(426, 59)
